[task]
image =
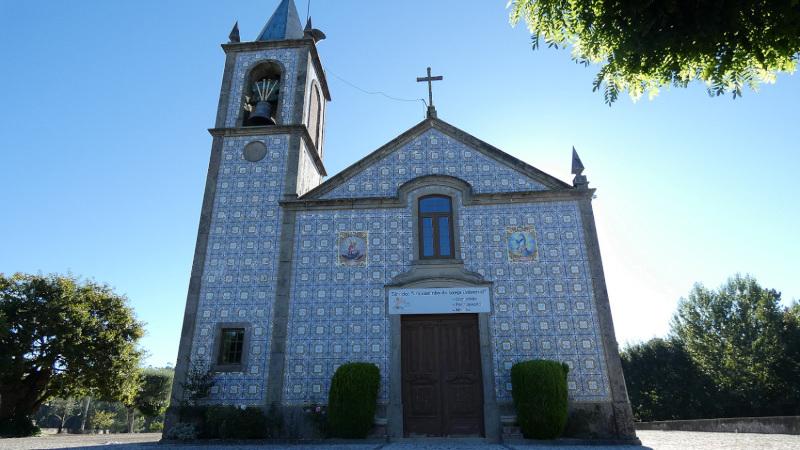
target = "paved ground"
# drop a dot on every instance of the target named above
(656, 440)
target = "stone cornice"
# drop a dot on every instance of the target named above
(264, 45)
(301, 130)
(439, 273)
(468, 200)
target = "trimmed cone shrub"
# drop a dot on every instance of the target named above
(352, 400)
(539, 390)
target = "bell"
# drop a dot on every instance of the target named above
(261, 115)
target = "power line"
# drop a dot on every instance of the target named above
(384, 94)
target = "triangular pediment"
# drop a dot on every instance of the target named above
(434, 147)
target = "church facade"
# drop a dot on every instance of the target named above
(437, 257)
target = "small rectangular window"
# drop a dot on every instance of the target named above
(231, 345)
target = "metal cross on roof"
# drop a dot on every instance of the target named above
(430, 80)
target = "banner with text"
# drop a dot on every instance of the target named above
(439, 300)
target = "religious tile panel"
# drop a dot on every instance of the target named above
(241, 261)
(521, 243)
(352, 248)
(433, 153)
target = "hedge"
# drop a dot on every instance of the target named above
(231, 422)
(352, 399)
(18, 426)
(539, 390)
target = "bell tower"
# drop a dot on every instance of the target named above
(277, 82)
(267, 147)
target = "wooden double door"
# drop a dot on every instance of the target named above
(442, 383)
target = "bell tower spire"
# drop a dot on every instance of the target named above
(283, 25)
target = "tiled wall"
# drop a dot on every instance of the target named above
(433, 153)
(239, 276)
(337, 313)
(542, 308)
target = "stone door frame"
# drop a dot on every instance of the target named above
(439, 274)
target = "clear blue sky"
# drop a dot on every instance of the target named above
(105, 105)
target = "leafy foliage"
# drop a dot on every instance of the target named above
(18, 426)
(539, 391)
(152, 397)
(102, 420)
(230, 422)
(64, 337)
(63, 409)
(656, 374)
(198, 383)
(352, 399)
(790, 369)
(645, 45)
(736, 336)
(182, 431)
(319, 416)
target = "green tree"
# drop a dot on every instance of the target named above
(736, 336)
(63, 409)
(645, 45)
(64, 337)
(664, 383)
(152, 396)
(117, 411)
(102, 420)
(790, 367)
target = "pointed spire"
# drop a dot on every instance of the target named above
(284, 24)
(580, 181)
(234, 36)
(577, 165)
(313, 33)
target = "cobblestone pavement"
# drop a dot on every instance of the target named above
(692, 440)
(655, 440)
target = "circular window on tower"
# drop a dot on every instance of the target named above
(255, 151)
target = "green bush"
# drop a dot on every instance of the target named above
(352, 400)
(18, 426)
(182, 431)
(155, 426)
(539, 389)
(230, 422)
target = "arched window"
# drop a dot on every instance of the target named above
(261, 95)
(436, 227)
(315, 115)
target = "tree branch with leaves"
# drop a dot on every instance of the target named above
(643, 46)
